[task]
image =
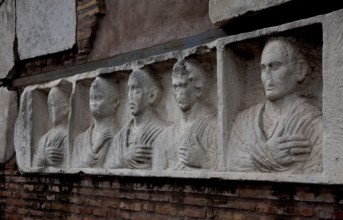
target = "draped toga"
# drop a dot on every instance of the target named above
(85, 153)
(247, 145)
(165, 154)
(125, 138)
(41, 158)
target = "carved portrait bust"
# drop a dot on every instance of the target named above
(52, 146)
(189, 143)
(284, 133)
(132, 146)
(90, 147)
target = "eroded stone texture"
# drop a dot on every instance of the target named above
(221, 11)
(45, 26)
(7, 35)
(8, 113)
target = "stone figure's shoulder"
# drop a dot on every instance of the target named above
(122, 131)
(311, 108)
(248, 113)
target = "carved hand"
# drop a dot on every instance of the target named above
(289, 149)
(194, 154)
(138, 153)
(54, 150)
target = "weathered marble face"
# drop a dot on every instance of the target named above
(278, 71)
(183, 88)
(101, 98)
(57, 105)
(138, 100)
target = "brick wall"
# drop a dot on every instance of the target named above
(112, 197)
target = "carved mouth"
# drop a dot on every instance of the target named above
(131, 105)
(270, 87)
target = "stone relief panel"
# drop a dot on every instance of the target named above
(52, 147)
(103, 98)
(190, 142)
(252, 106)
(132, 147)
(41, 130)
(279, 124)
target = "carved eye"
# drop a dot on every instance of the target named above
(275, 65)
(263, 68)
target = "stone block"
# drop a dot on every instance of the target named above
(221, 11)
(7, 35)
(45, 27)
(8, 113)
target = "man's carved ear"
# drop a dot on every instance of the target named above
(198, 92)
(302, 70)
(153, 96)
(116, 103)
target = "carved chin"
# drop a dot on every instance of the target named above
(183, 107)
(272, 96)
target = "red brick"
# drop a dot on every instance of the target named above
(46, 205)
(86, 191)
(74, 217)
(15, 202)
(14, 186)
(133, 206)
(123, 215)
(264, 207)
(148, 207)
(148, 216)
(57, 206)
(29, 187)
(245, 205)
(165, 209)
(85, 211)
(324, 212)
(51, 197)
(193, 212)
(105, 184)
(257, 193)
(126, 195)
(54, 189)
(94, 202)
(22, 211)
(99, 212)
(36, 213)
(105, 192)
(77, 201)
(87, 22)
(110, 203)
(195, 201)
(338, 215)
(229, 215)
(85, 34)
(6, 193)
(160, 197)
